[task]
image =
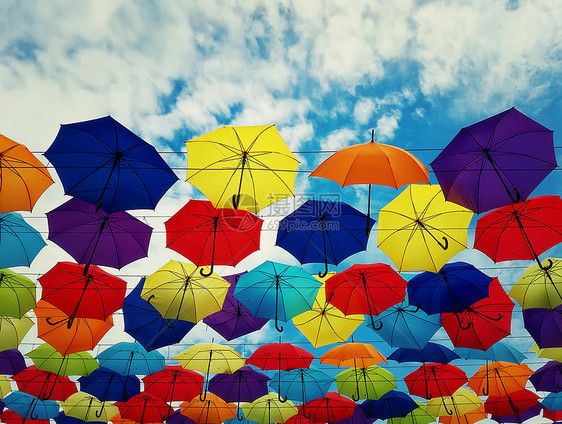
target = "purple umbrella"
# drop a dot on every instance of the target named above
(178, 418)
(11, 362)
(544, 325)
(548, 378)
(98, 238)
(495, 162)
(358, 417)
(234, 319)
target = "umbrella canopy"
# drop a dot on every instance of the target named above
(62, 418)
(105, 164)
(513, 403)
(88, 408)
(280, 356)
(46, 357)
(13, 330)
(144, 408)
(96, 237)
(243, 385)
(497, 352)
(431, 352)
(548, 378)
(435, 380)
(28, 406)
(209, 236)
(391, 404)
(24, 177)
(242, 167)
(268, 409)
(323, 232)
(44, 384)
(470, 417)
(274, 290)
(5, 387)
(548, 352)
(128, 358)
(10, 417)
(365, 383)
(108, 385)
(495, 162)
(459, 403)
(17, 294)
(553, 402)
(420, 231)
(539, 288)
(417, 416)
(354, 354)
(174, 383)
(146, 325)
(330, 408)
(182, 291)
(499, 378)
(544, 326)
(212, 410)
(301, 384)
(210, 358)
(19, 242)
(11, 362)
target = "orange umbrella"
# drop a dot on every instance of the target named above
(500, 378)
(23, 178)
(213, 410)
(373, 163)
(82, 334)
(354, 354)
(468, 418)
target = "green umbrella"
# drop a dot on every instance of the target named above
(17, 294)
(417, 416)
(47, 358)
(365, 383)
(12, 331)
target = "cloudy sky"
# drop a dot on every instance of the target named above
(325, 72)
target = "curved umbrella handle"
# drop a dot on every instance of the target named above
(461, 326)
(203, 396)
(277, 326)
(323, 274)
(377, 328)
(547, 267)
(56, 322)
(306, 414)
(280, 398)
(150, 298)
(167, 322)
(239, 416)
(559, 386)
(99, 413)
(447, 410)
(206, 274)
(445, 245)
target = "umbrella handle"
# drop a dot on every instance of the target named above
(205, 274)
(323, 274)
(306, 414)
(547, 267)
(167, 322)
(447, 410)
(239, 417)
(149, 299)
(55, 323)
(277, 326)
(377, 328)
(559, 386)
(99, 413)
(415, 310)
(281, 398)
(445, 245)
(203, 396)
(32, 411)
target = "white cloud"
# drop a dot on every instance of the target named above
(387, 126)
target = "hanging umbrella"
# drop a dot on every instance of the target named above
(324, 323)
(358, 417)
(499, 351)
(431, 352)
(62, 418)
(10, 417)
(417, 416)
(435, 380)
(495, 162)
(234, 319)
(108, 385)
(5, 387)
(44, 384)
(24, 177)
(19, 242)
(274, 290)
(459, 403)
(128, 358)
(209, 236)
(365, 383)
(499, 378)
(533, 411)
(181, 292)
(391, 404)
(420, 231)
(13, 330)
(301, 385)
(95, 237)
(69, 335)
(268, 409)
(242, 167)
(470, 417)
(372, 163)
(144, 408)
(548, 378)
(88, 408)
(548, 352)
(28, 406)
(243, 385)
(45, 357)
(323, 232)
(552, 402)
(212, 410)
(146, 325)
(11, 362)
(513, 403)
(330, 408)
(17, 294)
(483, 323)
(405, 326)
(539, 288)
(178, 418)
(105, 164)
(174, 383)
(555, 416)
(354, 354)
(544, 326)
(95, 294)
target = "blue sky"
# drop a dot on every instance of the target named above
(325, 72)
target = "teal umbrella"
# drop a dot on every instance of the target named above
(19, 241)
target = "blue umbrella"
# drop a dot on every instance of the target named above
(30, 407)
(147, 326)
(301, 384)
(274, 290)
(323, 232)
(19, 241)
(431, 352)
(105, 164)
(128, 358)
(552, 402)
(403, 325)
(391, 404)
(499, 351)
(108, 385)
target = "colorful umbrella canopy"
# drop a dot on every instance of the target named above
(354, 354)
(242, 167)
(431, 352)
(128, 358)
(365, 383)
(323, 232)
(513, 403)
(391, 404)
(10, 417)
(212, 410)
(19, 242)
(28, 406)
(174, 383)
(24, 177)
(435, 380)
(544, 326)
(301, 384)
(497, 352)
(88, 408)
(13, 330)
(459, 403)
(533, 411)
(180, 291)
(372, 163)
(268, 409)
(17, 294)
(548, 352)
(274, 290)
(548, 378)
(553, 402)
(500, 378)
(5, 386)
(209, 236)
(144, 408)
(420, 231)
(108, 385)
(44, 384)
(62, 418)
(105, 164)
(243, 385)
(495, 162)
(11, 362)
(330, 408)
(417, 416)
(470, 417)
(96, 237)
(539, 288)
(280, 356)
(46, 357)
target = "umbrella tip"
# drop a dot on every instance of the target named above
(372, 136)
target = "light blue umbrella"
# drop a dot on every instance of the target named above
(128, 358)
(301, 384)
(553, 402)
(30, 407)
(497, 352)
(19, 241)
(277, 291)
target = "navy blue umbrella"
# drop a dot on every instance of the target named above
(62, 418)
(108, 385)
(391, 404)
(431, 352)
(105, 164)
(323, 232)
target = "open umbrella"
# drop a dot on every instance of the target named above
(301, 385)
(274, 290)
(495, 162)
(514, 403)
(417, 416)
(108, 385)
(435, 380)
(431, 352)
(11, 362)
(354, 354)
(62, 418)
(10, 417)
(330, 408)
(13, 330)
(499, 351)
(499, 378)
(88, 408)
(23, 177)
(44, 384)
(280, 356)
(268, 409)
(372, 163)
(547, 352)
(174, 383)
(470, 417)
(242, 167)
(365, 383)
(212, 410)
(5, 387)
(209, 236)
(46, 357)
(459, 403)
(538, 287)
(128, 358)
(105, 164)
(420, 231)
(17, 294)
(548, 378)
(544, 325)
(144, 408)
(28, 406)
(19, 242)
(391, 404)
(323, 232)
(243, 385)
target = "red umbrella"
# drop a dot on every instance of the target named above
(10, 417)
(144, 408)
(44, 384)
(520, 231)
(95, 295)
(174, 383)
(513, 403)
(329, 409)
(435, 380)
(209, 236)
(483, 323)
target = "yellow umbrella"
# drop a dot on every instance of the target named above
(324, 324)
(87, 407)
(242, 167)
(538, 287)
(268, 409)
(548, 352)
(420, 231)
(5, 386)
(13, 330)
(179, 291)
(459, 403)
